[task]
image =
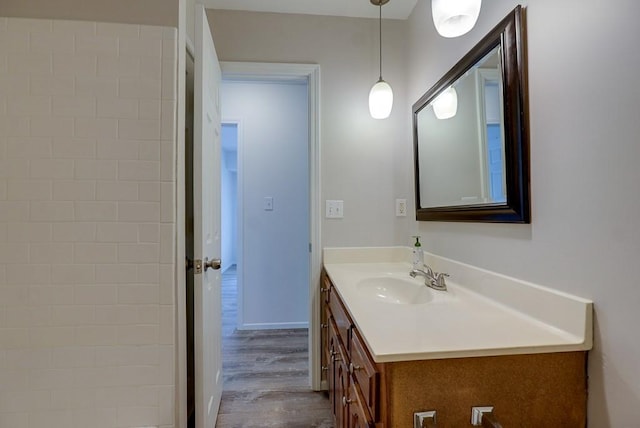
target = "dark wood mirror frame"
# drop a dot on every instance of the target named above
(509, 34)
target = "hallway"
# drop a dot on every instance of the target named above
(266, 374)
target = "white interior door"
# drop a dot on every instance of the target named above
(206, 189)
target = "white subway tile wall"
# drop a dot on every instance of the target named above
(87, 224)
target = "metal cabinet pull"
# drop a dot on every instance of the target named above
(346, 401)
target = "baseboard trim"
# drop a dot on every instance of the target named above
(273, 326)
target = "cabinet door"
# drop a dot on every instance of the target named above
(324, 344)
(365, 373)
(342, 389)
(358, 415)
(325, 315)
(332, 350)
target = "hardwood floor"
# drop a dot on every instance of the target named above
(266, 375)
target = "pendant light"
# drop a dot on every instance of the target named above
(381, 95)
(454, 18)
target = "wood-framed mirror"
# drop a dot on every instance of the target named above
(471, 136)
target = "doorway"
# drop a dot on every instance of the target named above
(310, 75)
(229, 195)
(269, 137)
(275, 72)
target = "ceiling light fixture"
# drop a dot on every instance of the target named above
(454, 18)
(381, 94)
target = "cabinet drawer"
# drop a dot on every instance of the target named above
(324, 343)
(332, 341)
(365, 373)
(325, 288)
(339, 314)
(341, 366)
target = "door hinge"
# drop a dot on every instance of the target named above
(310, 247)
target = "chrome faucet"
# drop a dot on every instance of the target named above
(435, 280)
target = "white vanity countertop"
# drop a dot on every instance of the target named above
(489, 315)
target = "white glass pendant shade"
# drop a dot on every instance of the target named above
(380, 100)
(445, 106)
(454, 18)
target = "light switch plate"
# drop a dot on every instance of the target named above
(334, 209)
(268, 203)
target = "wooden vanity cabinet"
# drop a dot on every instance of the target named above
(527, 391)
(352, 376)
(324, 333)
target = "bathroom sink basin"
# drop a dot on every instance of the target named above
(394, 290)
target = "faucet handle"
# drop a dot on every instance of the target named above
(439, 280)
(440, 276)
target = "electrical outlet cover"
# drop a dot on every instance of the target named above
(401, 207)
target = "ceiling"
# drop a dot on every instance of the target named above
(395, 9)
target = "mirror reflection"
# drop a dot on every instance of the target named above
(462, 140)
(471, 134)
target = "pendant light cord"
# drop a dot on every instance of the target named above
(380, 31)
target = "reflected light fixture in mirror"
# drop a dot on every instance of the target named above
(454, 18)
(445, 106)
(475, 165)
(381, 94)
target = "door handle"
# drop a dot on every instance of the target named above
(212, 264)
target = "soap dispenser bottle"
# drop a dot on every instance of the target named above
(418, 255)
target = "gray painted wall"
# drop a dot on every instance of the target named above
(358, 153)
(584, 237)
(146, 12)
(583, 66)
(450, 168)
